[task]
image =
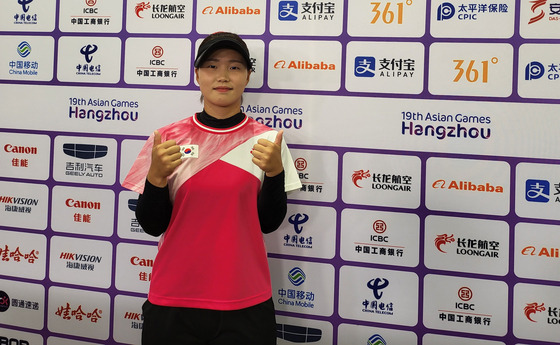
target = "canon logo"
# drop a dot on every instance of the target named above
(83, 204)
(20, 149)
(136, 261)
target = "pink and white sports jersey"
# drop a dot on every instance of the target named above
(212, 254)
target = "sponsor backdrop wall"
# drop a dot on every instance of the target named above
(426, 135)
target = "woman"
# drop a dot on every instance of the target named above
(211, 184)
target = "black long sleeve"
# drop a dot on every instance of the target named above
(272, 203)
(154, 209)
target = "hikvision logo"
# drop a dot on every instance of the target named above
(80, 257)
(18, 201)
(304, 65)
(467, 186)
(231, 10)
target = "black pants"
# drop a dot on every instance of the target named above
(189, 326)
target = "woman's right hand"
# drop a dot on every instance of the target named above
(166, 157)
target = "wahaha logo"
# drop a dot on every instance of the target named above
(545, 252)
(141, 7)
(535, 9)
(533, 308)
(442, 240)
(467, 186)
(231, 10)
(304, 65)
(359, 175)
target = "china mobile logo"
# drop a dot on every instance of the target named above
(533, 308)
(141, 7)
(358, 175)
(296, 276)
(376, 339)
(535, 8)
(443, 240)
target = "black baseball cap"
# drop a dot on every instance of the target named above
(221, 40)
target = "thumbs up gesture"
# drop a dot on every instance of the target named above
(267, 155)
(166, 157)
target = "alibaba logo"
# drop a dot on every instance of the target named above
(438, 184)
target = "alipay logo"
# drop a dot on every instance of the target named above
(288, 10)
(537, 191)
(364, 66)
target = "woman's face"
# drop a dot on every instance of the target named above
(222, 78)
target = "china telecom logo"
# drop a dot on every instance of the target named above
(377, 285)
(25, 4)
(296, 276)
(88, 51)
(297, 220)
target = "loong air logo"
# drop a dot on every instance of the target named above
(534, 311)
(160, 11)
(467, 186)
(304, 65)
(359, 175)
(469, 11)
(230, 10)
(469, 246)
(535, 70)
(383, 181)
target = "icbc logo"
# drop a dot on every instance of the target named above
(379, 226)
(301, 164)
(91, 3)
(157, 52)
(465, 294)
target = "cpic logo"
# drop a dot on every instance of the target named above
(24, 49)
(88, 51)
(537, 191)
(377, 285)
(376, 339)
(297, 220)
(359, 175)
(364, 66)
(445, 11)
(141, 7)
(296, 276)
(288, 10)
(534, 70)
